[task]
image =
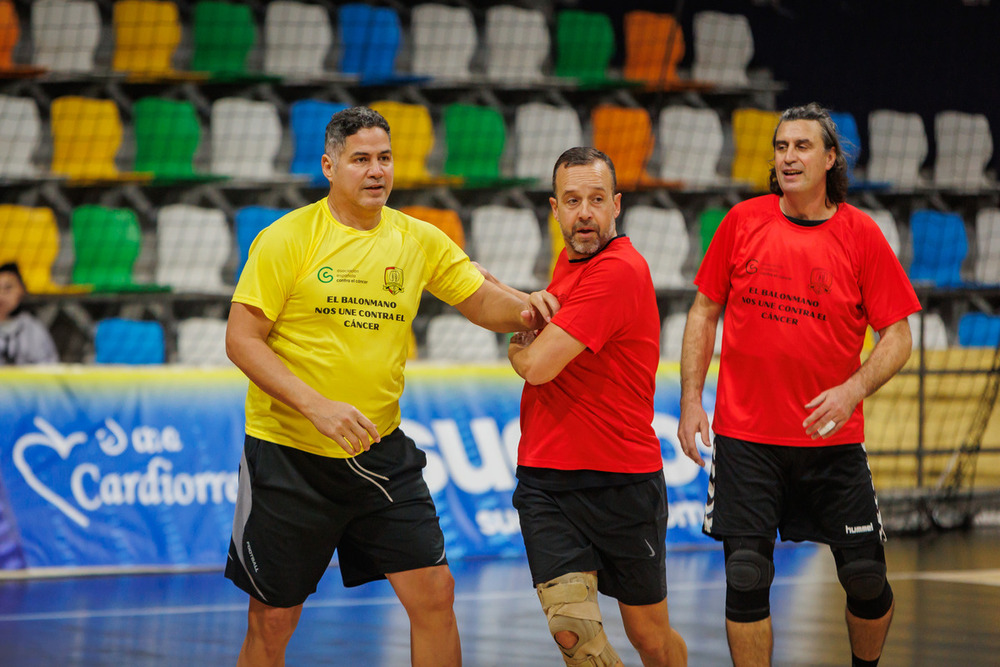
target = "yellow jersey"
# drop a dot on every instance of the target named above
(343, 301)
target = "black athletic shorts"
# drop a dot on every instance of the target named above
(819, 494)
(295, 508)
(619, 531)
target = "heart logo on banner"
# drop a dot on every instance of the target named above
(63, 445)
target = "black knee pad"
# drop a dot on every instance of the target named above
(861, 571)
(749, 573)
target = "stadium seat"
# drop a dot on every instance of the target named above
(661, 236)
(708, 223)
(147, 33)
(86, 136)
(654, 44)
(625, 134)
(20, 135)
(723, 47)
(223, 35)
(454, 338)
(979, 330)
(412, 141)
(297, 38)
(201, 341)
(753, 131)
(939, 247)
(556, 242)
(106, 243)
(517, 44)
(541, 133)
(122, 341)
(690, 145)
(307, 121)
(507, 242)
(249, 222)
(887, 224)
(935, 331)
(192, 246)
(10, 35)
(987, 267)
(65, 34)
(850, 140)
(167, 135)
(897, 146)
(370, 38)
(30, 237)
(475, 137)
(246, 137)
(585, 43)
(445, 219)
(444, 40)
(964, 148)
(672, 336)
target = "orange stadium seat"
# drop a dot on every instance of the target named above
(654, 44)
(626, 135)
(444, 219)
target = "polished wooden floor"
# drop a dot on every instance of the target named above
(947, 613)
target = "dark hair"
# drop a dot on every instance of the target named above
(581, 156)
(836, 176)
(349, 122)
(11, 267)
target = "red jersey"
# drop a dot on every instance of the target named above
(798, 300)
(597, 413)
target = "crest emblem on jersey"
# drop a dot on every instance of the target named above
(393, 280)
(820, 281)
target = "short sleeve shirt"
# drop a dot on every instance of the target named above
(343, 301)
(798, 300)
(597, 413)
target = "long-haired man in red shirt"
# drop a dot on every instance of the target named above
(801, 274)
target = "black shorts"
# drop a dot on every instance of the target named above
(619, 531)
(819, 494)
(295, 508)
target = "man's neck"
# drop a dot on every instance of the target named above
(807, 208)
(353, 216)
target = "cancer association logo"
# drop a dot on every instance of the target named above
(393, 280)
(820, 281)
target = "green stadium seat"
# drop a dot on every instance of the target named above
(106, 243)
(585, 44)
(223, 34)
(167, 136)
(475, 137)
(708, 222)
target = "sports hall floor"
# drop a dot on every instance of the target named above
(947, 613)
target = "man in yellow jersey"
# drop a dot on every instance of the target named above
(320, 322)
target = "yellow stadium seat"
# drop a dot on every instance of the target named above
(557, 241)
(86, 135)
(444, 219)
(30, 237)
(147, 33)
(413, 140)
(753, 131)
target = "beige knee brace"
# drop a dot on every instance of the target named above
(570, 603)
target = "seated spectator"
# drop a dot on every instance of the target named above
(23, 339)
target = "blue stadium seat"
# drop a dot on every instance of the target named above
(979, 330)
(850, 139)
(370, 38)
(121, 341)
(250, 220)
(939, 247)
(308, 120)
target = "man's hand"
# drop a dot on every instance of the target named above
(345, 425)
(693, 421)
(541, 307)
(830, 410)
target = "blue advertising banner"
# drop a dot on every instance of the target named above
(120, 467)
